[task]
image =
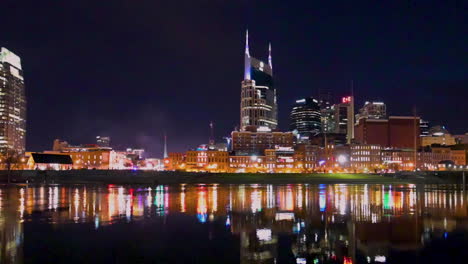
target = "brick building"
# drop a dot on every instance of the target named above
(394, 132)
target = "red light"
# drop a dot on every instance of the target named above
(346, 99)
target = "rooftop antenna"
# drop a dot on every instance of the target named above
(212, 141)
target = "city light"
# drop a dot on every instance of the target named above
(264, 234)
(342, 159)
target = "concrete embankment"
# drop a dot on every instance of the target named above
(170, 177)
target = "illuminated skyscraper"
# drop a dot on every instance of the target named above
(258, 94)
(12, 103)
(306, 117)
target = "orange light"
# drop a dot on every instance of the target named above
(347, 260)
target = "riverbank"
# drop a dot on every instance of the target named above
(170, 177)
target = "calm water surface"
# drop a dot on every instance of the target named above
(297, 223)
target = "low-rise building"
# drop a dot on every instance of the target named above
(458, 156)
(443, 140)
(306, 157)
(175, 161)
(256, 142)
(365, 157)
(46, 161)
(404, 159)
(207, 160)
(89, 157)
(249, 163)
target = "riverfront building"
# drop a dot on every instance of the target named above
(256, 142)
(12, 103)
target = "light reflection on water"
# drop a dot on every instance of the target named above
(324, 223)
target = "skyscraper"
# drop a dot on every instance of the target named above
(344, 118)
(12, 103)
(327, 114)
(424, 128)
(258, 94)
(306, 118)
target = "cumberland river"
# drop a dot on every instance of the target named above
(296, 223)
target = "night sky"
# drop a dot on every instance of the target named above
(132, 69)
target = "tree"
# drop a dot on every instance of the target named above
(10, 160)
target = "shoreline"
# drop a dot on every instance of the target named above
(173, 177)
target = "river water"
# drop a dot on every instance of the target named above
(297, 223)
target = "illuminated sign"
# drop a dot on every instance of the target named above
(279, 148)
(346, 99)
(301, 261)
(263, 129)
(381, 259)
(202, 147)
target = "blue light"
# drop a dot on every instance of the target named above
(201, 218)
(322, 198)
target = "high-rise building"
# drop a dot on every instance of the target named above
(373, 110)
(306, 118)
(344, 118)
(103, 141)
(424, 128)
(394, 132)
(12, 103)
(327, 115)
(258, 94)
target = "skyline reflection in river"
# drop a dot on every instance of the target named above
(296, 223)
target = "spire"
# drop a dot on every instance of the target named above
(247, 57)
(247, 43)
(165, 146)
(269, 56)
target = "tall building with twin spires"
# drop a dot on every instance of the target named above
(258, 108)
(12, 104)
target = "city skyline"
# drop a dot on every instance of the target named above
(78, 102)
